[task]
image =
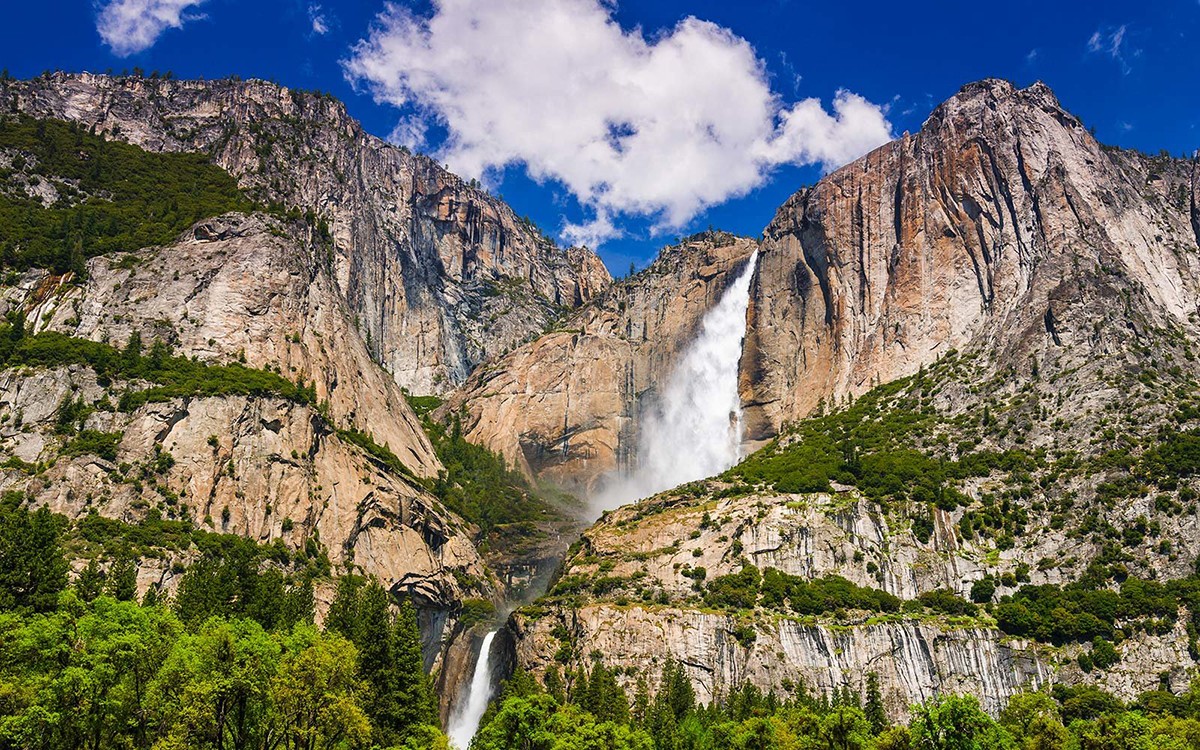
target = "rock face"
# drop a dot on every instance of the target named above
(983, 230)
(914, 660)
(438, 274)
(565, 406)
(656, 546)
(1043, 292)
(239, 287)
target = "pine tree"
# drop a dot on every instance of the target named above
(76, 261)
(876, 715)
(606, 699)
(299, 605)
(376, 643)
(16, 332)
(662, 724)
(580, 692)
(122, 577)
(33, 569)
(641, 704)
(554, 685)
(678, 689)
(131, 355)
(90, 582)
(416, 691)
(342, 617)
(389, 660)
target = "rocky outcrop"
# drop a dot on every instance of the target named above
(975, 232)
(647, 556)
(565, 406)
(914, 659)
(658, 543)
(439, 274)
(239, 288)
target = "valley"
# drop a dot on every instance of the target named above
(929, 444)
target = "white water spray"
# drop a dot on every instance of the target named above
(694, 429)
(465, 722)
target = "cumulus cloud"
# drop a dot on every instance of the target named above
(131, 26)
(659, 127)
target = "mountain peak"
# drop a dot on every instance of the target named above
(974, 103)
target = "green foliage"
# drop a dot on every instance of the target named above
(734, 591)
(1089, 609)
(231, 580)
(955, 723)
(873, 708)
(233, 662)
(773, 589)
(401, 699)
(983, 590)
(475, 611)
(33, 569)
(174, 376)
(478, 484)
(1103, 653)
(112, 196)
(93, 443)
(859, 446)
(1176, 455)
(381, 453)
(525, 716)
(822, 595)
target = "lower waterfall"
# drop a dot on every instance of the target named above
(694, 428)
(465, 721)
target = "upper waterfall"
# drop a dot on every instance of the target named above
(693, 429)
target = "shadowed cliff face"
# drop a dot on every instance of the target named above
(982, 229)
(566, 406)
(440, 274)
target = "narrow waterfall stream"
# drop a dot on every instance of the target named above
(465, 721)
(694, 428)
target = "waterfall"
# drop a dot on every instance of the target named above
(694, 428)
(465, 721)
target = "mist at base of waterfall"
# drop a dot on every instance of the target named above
(693, 430)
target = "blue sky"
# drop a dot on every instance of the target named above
(627, 124)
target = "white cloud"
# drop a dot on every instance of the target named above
(661, 127)
(1108, 41)
(1111, 42)
(131, 26)
(317, 17)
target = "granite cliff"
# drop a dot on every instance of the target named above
(438, 274)
(1002, 226)
(565, 406)
(239, 289)
(973, 354)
